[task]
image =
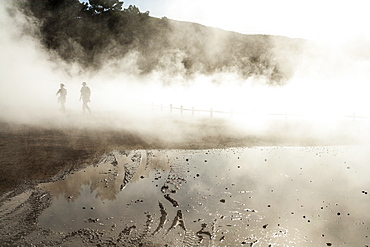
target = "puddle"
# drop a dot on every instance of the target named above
(278, 196)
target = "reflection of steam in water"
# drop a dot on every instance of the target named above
(107, 178)
(283, 196)
(101, 179)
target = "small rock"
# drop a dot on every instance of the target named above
(93, 220)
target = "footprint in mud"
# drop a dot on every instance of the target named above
(176, 235)
(131, 168)
(175, 178)
(162, 219)
(170, 199)
(112, 157)
(177, 221)
(203, 232)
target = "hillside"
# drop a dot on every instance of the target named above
(103, 34)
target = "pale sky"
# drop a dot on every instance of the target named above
(324, 20)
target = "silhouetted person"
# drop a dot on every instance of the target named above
(62, 97)
(85, 96)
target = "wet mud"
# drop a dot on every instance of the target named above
(262, 196)
(252, 195)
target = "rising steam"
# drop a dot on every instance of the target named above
(321, 80)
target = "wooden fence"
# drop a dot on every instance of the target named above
(211, 112)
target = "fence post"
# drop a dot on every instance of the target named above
(181, 110)
(211, 112)
(171, 108)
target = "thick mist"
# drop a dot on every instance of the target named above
(329, 84)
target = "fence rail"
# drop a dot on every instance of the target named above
(231, 113)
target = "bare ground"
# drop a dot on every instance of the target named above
(34, 153)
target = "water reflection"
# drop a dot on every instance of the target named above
(282, 196)
(106, 179)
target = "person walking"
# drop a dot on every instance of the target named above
(85, 96)
(62, 97)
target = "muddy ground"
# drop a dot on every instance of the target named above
(32, 154)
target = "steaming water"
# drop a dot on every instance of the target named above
(284, 196)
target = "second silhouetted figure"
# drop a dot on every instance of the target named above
(85, 96)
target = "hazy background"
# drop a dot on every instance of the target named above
(331, 78)
(330, 21)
